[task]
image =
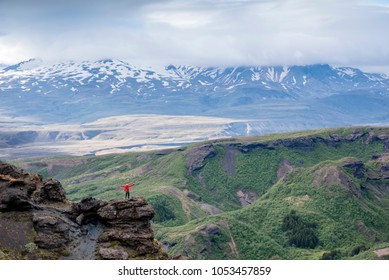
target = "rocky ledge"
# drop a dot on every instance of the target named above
(38, 222)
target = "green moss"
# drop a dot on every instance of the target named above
(114, 243)
(31, 247)
(168, 210)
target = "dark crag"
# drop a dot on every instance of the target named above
(38, 222)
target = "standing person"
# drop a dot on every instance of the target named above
(127, 188)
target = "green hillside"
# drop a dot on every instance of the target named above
(306, 195)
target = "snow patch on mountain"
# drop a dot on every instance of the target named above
(116, 76)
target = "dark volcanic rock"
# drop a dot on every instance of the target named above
(246, 148)
(53, 229)
(13, 199)
(304, 144)
(356, 135)
(88, 205)
(357, 167)
(211, 229)
(86, 210)
(50, 191)
(127, 223)
(15, 193)
(121, 211)
(12, 171)
(196, 157)
(90, 229)
(21, 191)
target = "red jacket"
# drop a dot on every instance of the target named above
(127, 187)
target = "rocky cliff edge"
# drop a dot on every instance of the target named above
(38, 222)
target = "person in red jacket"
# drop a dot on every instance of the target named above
(127, 188)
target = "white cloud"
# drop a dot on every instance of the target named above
(223, 32)
(181, 20)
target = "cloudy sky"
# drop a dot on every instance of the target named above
(199, 32)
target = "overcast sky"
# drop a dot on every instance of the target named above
(199, 32)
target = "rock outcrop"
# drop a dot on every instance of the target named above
(196, 157)
(38, 222)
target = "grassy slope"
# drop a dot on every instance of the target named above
(254, 231)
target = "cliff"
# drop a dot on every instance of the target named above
(38, 222)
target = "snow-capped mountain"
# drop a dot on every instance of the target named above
(115, 76)
(275, 97)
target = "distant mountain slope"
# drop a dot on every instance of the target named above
(307, 195)
(262, 99)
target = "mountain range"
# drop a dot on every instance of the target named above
(64, 90)
(252, 100)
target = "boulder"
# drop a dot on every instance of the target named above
(121, 211)
(15, 193)
(50, 191)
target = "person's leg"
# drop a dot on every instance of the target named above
(127, 195)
